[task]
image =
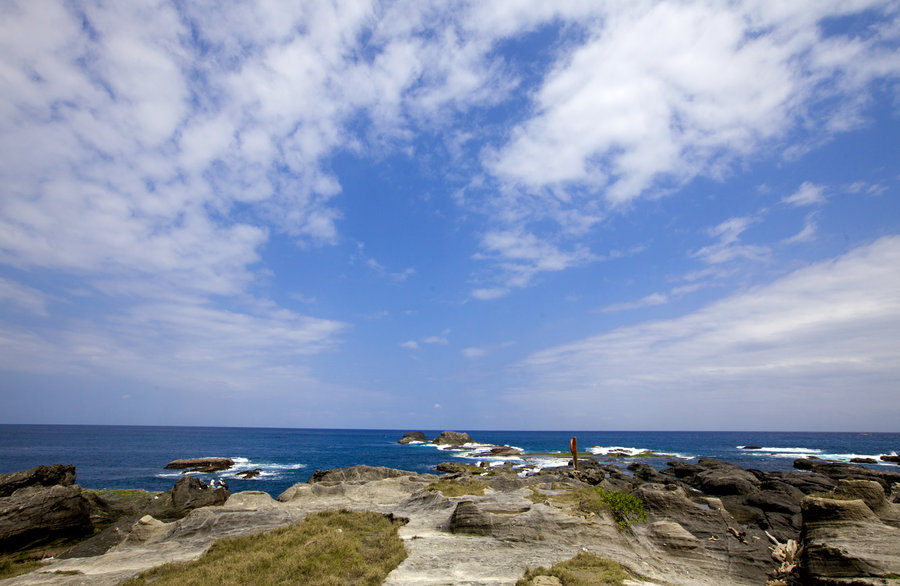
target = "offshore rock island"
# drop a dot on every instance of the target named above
(705, 523)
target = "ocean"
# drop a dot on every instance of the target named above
(117, 457)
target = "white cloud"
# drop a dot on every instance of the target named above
(647, 301)
(728, 247)
(779, 356)
(661, 93)
(417, 344)
(519, 256)
(807, 234)
(26, 298)
(473, 352)
(807, 194)
(177, 344)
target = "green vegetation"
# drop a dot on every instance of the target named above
(460, 487)
(121, 493)
(585, 569)
(891, 576)
(14, 566)
(329, 548)
(625, 508)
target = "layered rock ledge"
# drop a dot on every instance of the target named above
(707, 523)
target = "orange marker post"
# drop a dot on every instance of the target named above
(573, 446)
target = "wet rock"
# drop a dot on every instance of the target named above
(891, 458)
(202, 465)
(501, 452)
(412, 436)
(863, 461)
(247, 474)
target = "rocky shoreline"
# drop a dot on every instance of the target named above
(707, 522)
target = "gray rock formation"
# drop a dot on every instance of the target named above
(205, 465)
(412, 436)
(845, 542)
(360, 473)
(56, 474)
(839, 470)
(190, 493)
(38, 514)
(690, 538)
(453, 438)
(715, 477)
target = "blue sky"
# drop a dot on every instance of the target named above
(485, 215)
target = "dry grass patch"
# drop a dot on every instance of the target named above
(329, 548)
(14, 566)
(460, 487)
(585, 569)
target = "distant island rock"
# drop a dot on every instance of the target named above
(202, 465)
(453, 438)
(413, 436)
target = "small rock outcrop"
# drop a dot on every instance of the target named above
(202, 465)
(412, 436)
(56, 474)
(360, 473)
(453, 438)
(38, 514)
(247, 474)
(191, 493)
(839, 470)
(715, 477)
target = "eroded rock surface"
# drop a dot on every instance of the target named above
(690, 537)
(846, 542)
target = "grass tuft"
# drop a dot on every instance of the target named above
(10, 566)
(585, 569)
(329, 548)
(460, 487)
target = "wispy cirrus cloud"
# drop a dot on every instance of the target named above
(808, 194)
(779, 354)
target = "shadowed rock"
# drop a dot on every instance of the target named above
(839, 470)
(203, 465)
(412, 436)
(38, 514)
(357, 474)
(56, 474)
(453, 438)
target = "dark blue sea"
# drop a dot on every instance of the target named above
(115, 457)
